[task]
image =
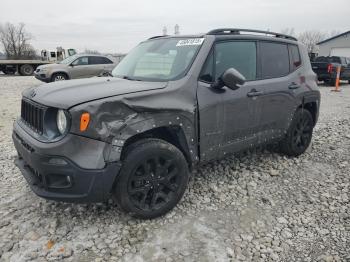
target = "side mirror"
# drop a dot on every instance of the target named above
(230, 78)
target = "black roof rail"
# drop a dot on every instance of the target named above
(237, 31)
(156, 36)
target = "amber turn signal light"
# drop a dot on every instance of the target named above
(84, 121)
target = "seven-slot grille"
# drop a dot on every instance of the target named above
(33, 115)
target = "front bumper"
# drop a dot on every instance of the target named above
(42, 77)
(54, 176)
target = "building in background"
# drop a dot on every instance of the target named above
(338, 45)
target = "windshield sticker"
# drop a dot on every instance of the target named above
(191, 41)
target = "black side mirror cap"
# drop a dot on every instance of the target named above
(232, 78)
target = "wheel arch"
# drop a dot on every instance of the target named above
(173, 134)
(312, 105)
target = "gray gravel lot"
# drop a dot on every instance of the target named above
(259, 206)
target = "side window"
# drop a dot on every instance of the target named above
(240, 55)
(97, 60)
(207, 70)
(94, 60)
(81, 61)
(294, 55)
(105, 60)
(274, 60)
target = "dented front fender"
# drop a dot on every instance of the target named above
(116, 120)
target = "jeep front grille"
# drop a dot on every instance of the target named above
(33, 115)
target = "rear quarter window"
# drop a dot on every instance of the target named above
(294, 55)
(274, 60)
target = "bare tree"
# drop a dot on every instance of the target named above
(92, 52)
(311, 38)
(16, 41)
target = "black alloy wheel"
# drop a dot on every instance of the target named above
(299, 134)
(154, 183)
(153, 178)
(302, 132)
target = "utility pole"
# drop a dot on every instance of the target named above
(177, 29)
(165, 30)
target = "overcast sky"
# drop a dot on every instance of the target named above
(117, 26)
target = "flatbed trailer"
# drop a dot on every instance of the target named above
(23, 67)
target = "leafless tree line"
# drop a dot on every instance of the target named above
(15, 41)
(310, 38)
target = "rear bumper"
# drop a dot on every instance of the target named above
(57, 177)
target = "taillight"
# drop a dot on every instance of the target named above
(330, 68)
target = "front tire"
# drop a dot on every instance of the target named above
(299, 134)
(152, 180)
(58, 77)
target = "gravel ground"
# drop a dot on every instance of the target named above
(259, 206)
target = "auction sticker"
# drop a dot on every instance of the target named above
(190, 41)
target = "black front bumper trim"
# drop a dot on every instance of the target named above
(85, 185)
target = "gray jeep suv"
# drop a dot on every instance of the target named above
(74, 67)
(173, 102)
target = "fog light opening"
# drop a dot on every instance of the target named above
(59, 181)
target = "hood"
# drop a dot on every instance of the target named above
(51, 66)
(65, 94)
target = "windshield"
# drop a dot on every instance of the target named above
(69, 59)
(159, 59)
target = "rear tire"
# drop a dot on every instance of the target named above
(299, 134)
(58, 77)
(26, 70)
(152, 180)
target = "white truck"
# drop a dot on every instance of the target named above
(27, 67)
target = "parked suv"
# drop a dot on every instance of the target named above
(173, 102)
(76, 66)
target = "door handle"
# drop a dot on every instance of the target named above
(254, 93)
(293, 85)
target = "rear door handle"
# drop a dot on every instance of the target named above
(293, 86)
(254, 93)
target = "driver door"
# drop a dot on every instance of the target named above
(80, 68)
(229, 119)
